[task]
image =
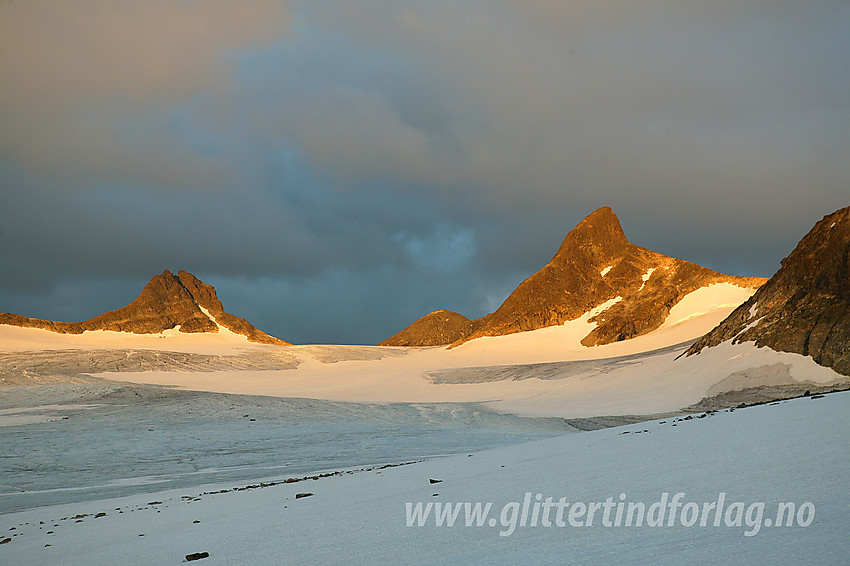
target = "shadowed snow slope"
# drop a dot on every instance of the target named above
(793, 451)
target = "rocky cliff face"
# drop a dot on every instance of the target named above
(206, 297)
(166, 302)
(805, 307)
(594, 264)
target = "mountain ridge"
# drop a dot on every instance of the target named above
(595, 263)
(805, 307)
(167, 301)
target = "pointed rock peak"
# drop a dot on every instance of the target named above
(164, 278)
(602, 213)
(191, 282)
(599, 225)
(203, 294)
(166, 288)
(599, 233)
(167, 301)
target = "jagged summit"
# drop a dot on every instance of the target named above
(594, 264)
(598, 237)
(805, 307)
(167, 301)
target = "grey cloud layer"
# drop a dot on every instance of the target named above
(349, 166)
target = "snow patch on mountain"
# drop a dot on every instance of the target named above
(645, 277)
(222, 330)
(714, 298)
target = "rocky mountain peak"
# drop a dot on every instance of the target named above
(594, 264)
(167, 301)
(599, 237)
(202, 293)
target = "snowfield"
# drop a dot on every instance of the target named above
(700, 310)
(793, 451)
(552, 376)
(144, 449)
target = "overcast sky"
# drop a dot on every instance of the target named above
(338, 169)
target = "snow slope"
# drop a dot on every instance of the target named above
(641, 385)
(794, 451)
(701, 310)
(17, 339)
(638, 377)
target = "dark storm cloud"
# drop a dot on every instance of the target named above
(337, 169)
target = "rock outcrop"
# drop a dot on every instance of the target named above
(595, 263)
(435, 329)
(166, 302)
(805, 307)
(206, 297)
